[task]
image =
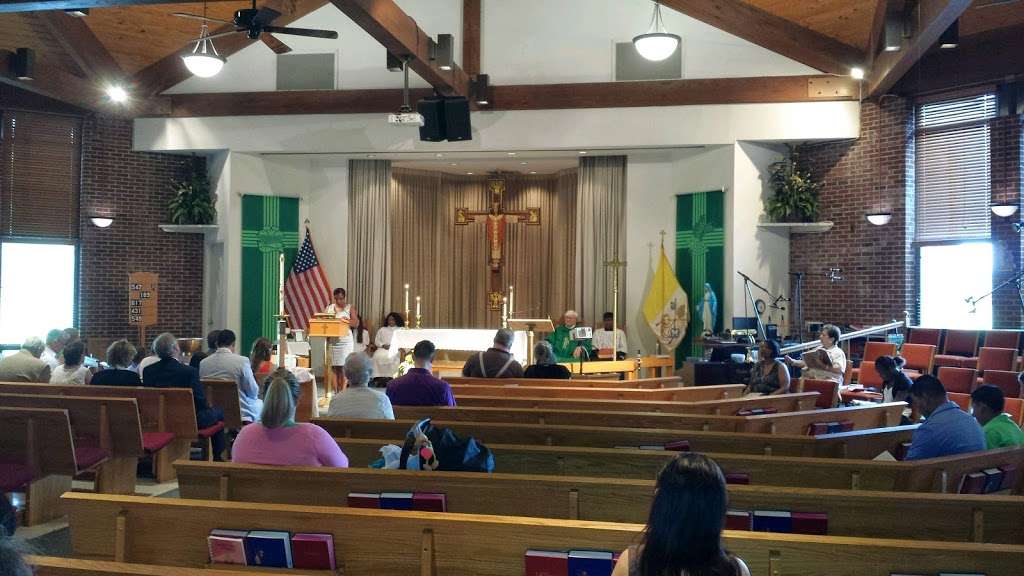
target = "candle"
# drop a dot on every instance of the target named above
(504, 311)
(280, 280)
(407, 303)
(417, 307)
(511, 300)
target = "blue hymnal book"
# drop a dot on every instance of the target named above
(591, 563)
(772, 521)
(268, 548)
(396, 500)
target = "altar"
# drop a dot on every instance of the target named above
(457, 340)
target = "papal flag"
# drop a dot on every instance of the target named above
(665, 307)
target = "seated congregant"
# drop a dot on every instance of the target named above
(603, 337)
(770, 375)
(72, 371)
(386, 360)
(684, 529)
(260, 358)
(211, 347)
(119, 360)
(567, 349)
(947, 430)
(25, 365)
(829, 360)
(359, 400)
(169, 372)
(226, 365)
(418, 387)
(280, 441)
(895, 384)
(54, 346)
(497, 361)
(987, 403)
(545, 365)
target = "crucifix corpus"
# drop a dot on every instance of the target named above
(615, 264)
(496, 220)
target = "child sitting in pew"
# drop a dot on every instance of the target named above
(684, 530)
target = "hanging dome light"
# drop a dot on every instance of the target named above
(204, 61)
(657, 44)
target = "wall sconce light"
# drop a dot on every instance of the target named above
(102, 221)
(1004, 209)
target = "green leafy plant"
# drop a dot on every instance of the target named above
(794, 192)
(192, 202)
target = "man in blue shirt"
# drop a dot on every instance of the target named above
(947, 430)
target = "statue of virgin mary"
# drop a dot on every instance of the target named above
(708, 310)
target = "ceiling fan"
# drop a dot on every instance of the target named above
(255, 23)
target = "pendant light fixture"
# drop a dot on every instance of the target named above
(204, 61)
(657, 44)
(880, 216)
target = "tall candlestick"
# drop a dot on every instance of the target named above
(511, 300)
(504, 311)
(407, 319)
(280, 278)
(417, 311)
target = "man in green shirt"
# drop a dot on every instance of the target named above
(567, 349)
(1000, 430)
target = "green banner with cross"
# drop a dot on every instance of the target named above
(270, 225)
(700, 259)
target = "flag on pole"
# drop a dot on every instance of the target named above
(665, 307)
(307, 290)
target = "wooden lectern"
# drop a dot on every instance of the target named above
(327, 326)
(530, 325)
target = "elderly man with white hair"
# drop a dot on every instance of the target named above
(359, 400)
(25, 365)
(566, 348)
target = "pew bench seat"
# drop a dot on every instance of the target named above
(155, 441)
(88, 457)
(14, 476)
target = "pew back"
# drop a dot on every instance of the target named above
(58, 566)
(726, 406)
(577, 382)
(110, 423)
(224, 395)
(38, 437)
(568, 390)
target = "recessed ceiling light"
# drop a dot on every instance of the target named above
(583, 151)
(857, 73)
(453, 164)
(438, 155)
(469, 173)
(511, 153)
(533, 171)
(117, 94)
(523, 163)
(371, 156)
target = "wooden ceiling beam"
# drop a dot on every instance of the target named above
(7, 6)
(877, 29)
(170, 70)
(400, 35)
(471, 37)
(773, 32)
(930, 19)
(767, 89)
(79, 42)
(991, 57)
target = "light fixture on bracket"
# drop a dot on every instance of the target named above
(951, 37)
(442, 51)
(657, 44)
(204, 61)
(481, 89)
(880, 218)
(1004, 209)
(101, 221)
(22, 63)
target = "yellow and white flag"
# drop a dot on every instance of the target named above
(665, 307)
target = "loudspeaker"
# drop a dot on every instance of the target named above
(433, 112)
(456, 119)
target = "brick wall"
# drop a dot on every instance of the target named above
(135, 187)
(1006, 186)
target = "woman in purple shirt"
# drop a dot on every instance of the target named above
(278, 440)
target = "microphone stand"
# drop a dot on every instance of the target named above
(747, 281)
(1018, 280)
(833, 275)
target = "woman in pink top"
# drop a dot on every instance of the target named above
(278, 440)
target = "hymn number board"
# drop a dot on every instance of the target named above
(142, 298)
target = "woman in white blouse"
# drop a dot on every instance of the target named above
(386, 360)
(72, 371)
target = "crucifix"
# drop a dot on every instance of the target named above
(496, 220)
(615, 264)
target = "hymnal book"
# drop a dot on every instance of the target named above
(546, 563)
(737, 478)
(590, 563)
(810, 523)
(227, 546)
(737, 520)
(654, 447)
(772, 521)
(817, 359)
(1010, 476)
(313, 551)
(817, 428)
(268, 548)
(429, 502)
(756, 411)
(973, 483)
(678, 446)
(396, 500)
(363, 500)
(993, 480)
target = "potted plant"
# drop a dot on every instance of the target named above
(192, 202)
(794, 193)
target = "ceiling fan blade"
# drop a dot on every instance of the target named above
(329, 34)
(198, 17)
(265, 16)
(274, 44)
(219, 35)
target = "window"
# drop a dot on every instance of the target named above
(37, 289)
(953, 219)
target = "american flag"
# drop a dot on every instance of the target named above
(306, 291)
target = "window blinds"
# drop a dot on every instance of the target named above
(40, 176)
(953, 169)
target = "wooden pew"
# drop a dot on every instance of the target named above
(865, 416)
(162, 411)
(932, 475)
(305, 409)
(109, 424)
(38, 452)
(864, 444)
(727, 406)
(969, 518)
(643, 383)
(224, 395)
(568, 390)
(133, 529)
(57, 566)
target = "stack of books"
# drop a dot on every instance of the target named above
(570, 563)
(272, 549)
(777, 521)
(756, 411)
(818, 428)
(989, 480)
(420, 501)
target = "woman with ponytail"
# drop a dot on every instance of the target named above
(278, 440)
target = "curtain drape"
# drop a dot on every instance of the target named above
(369, 256)
(600, 235)
(447, 264)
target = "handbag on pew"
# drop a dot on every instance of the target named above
(449, 452)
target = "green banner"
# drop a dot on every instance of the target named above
(270, 225)
(700, 259)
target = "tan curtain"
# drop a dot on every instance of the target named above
(447, 264)
(369, 257)
(600, 229)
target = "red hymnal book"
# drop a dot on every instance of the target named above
(846, 426)
(678, 446)
(737, 520)
(313, 551)
(546, 563)
(817, 428)
(737, 478)
(227, 546)
(363, 500)
(810, 523)
(429, 502)
(973, 483)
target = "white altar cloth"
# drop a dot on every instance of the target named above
(463, 340)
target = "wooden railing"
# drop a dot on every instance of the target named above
(894, 325)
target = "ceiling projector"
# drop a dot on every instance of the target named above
(405, 119)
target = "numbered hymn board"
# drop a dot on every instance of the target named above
(142, 298)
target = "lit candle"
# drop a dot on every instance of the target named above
(406, 301)
(504, 311)
(417, 306)
(511, 300)
(280, 279)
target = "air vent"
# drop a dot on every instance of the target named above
(305, 72)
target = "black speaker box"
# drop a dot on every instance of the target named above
(456, 119)
(433, 112)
